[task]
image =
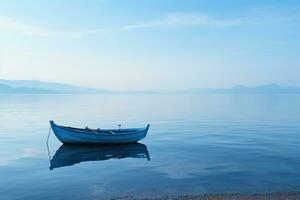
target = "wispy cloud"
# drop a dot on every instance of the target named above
(188, 19)
(169, 20)
(257, 16)
(16, 26)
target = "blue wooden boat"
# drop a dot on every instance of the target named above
(70, 135)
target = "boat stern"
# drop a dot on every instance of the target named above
(56, 131)
(146, 130)
(52, 124)
(147, 127)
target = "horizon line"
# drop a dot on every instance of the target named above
(190, 89)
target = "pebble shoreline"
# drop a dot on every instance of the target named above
(271, 196)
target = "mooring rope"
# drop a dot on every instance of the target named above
(48, 135)
(49, 155)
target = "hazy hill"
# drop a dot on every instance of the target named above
(240, 89)
(5, 89)
(39, 87)
(32, 86)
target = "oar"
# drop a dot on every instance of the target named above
(95, 132)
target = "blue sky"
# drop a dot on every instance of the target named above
(151, 44)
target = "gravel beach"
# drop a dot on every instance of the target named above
(229, 196)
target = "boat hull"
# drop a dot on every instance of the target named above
(69, 135)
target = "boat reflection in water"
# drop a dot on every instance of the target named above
(68, 155)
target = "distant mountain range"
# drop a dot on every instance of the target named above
(240, 89)
(39, 87)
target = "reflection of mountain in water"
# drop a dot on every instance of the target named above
(68, 155)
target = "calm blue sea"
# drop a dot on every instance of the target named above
(196, 144)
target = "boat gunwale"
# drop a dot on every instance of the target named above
(106, 131)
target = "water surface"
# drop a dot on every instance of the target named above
(196, 144)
